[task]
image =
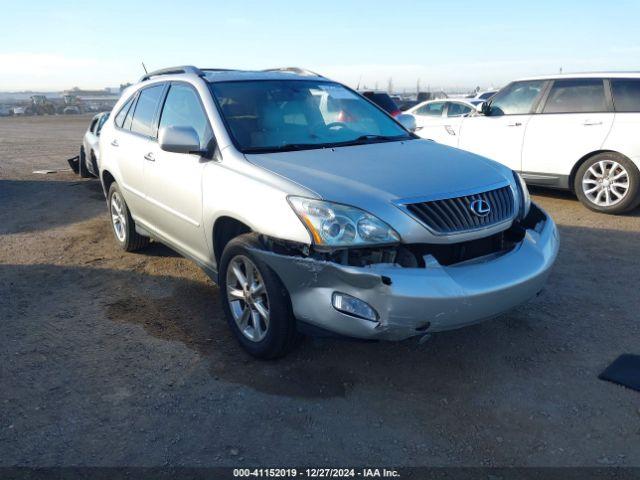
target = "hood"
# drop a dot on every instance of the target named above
(386, 171)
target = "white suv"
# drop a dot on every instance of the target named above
(578, 132)
(314, 210)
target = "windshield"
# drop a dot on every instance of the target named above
(280, 115)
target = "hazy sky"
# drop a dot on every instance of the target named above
(52, 45)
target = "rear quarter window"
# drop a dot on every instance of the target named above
(626, 94)
(119, 120)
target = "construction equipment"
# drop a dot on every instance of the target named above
(72, 105)
(40, 105)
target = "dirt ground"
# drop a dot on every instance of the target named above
(111, 359)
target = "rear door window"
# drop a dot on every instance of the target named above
(457, 109)
(576, 96)
(145, 111)
(626, 94)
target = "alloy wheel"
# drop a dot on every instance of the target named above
(118, 216)
(605, 183)
(247, 297)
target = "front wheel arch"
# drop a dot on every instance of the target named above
(225, 229)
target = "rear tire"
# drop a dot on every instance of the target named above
(122, 224)
(82, 166)
(263, 321)
(608, 183)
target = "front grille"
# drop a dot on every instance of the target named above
(452, 215)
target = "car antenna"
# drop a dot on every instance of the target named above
(145, 68)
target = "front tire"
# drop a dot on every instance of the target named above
(82, 166)
(609, 183)
(255, 301)
(122, 224)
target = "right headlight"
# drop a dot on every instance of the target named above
(336, 225)
(525, 198)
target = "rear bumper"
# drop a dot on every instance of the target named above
(408, 300)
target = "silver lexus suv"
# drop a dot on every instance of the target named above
(314, 210)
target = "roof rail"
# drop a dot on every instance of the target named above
(296, 70)
(172, 70)
(217, 69)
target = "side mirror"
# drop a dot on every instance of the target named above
(179, 139)
(407, 121)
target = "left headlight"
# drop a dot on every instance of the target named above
(337, 225)
(525, 198)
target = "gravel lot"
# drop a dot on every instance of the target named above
(110, 359)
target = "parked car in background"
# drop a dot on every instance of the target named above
(440, 120)
(573, 131)
(405, 105)
(311, 224)
(88, 160)
(483, 96)
(383, 100)
(420, 97)
(480, 97)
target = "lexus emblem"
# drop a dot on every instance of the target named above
(480, 207)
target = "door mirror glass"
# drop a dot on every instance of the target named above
(179, 139)
(407, 121)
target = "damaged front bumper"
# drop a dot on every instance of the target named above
(415, 301)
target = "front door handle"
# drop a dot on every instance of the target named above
(590, 123)
(514, 124)
(149, 157)
(114, 142)
(449, 129)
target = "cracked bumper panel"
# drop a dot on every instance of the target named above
(407, 298)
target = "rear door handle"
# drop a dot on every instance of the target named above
(589, 123)
(149, 157)
(114, 142)
(514, 124)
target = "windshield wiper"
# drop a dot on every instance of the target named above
(370, 138)
(361, 140)
(289, 147)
